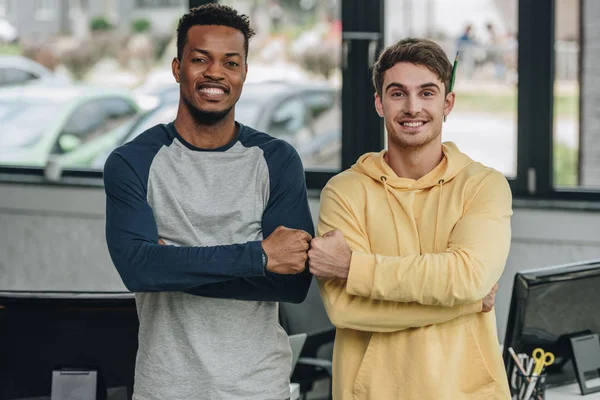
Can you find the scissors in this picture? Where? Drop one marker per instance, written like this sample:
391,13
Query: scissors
542,359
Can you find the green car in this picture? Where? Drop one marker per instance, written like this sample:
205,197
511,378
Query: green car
69,124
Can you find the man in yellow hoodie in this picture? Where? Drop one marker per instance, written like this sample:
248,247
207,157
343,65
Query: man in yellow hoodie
413,238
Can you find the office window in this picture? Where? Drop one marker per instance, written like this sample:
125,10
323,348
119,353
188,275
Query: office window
294,77
45,9
484,32
576,99
161,3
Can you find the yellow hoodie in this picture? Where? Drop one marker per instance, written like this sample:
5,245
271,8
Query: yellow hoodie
424,255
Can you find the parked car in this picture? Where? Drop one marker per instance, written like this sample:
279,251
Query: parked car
18,70
308,116
71,124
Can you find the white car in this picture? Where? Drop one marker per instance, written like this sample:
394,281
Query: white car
19,70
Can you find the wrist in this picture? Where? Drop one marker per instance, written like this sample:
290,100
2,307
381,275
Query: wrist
265,258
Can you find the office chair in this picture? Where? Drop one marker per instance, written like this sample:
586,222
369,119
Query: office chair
310,317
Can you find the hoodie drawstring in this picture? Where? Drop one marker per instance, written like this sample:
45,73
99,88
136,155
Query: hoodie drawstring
387,196
437,216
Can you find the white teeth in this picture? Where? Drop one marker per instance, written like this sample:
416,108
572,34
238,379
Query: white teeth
413,124
212,90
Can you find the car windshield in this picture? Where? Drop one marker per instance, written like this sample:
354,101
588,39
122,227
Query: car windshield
23,123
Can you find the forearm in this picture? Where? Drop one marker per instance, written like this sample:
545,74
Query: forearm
148,267
443,279
271,287
360,313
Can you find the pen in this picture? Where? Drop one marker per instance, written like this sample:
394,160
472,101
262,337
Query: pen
514,356
530,364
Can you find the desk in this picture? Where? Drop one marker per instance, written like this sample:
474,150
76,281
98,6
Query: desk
569,392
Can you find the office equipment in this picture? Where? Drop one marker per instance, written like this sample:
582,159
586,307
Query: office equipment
76,384
296,343
586,354
549,306
518,363
41,332
542,359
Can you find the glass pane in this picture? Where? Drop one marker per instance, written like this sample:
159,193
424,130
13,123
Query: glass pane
126,54
483,123
294,76
575,105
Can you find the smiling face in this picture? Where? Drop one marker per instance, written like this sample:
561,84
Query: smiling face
413,103
211,71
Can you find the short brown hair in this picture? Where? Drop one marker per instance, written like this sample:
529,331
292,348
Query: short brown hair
416,51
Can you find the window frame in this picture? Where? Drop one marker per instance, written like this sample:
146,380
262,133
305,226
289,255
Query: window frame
536,71
363,31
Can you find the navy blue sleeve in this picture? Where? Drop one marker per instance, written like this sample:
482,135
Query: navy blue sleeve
287,206
146,266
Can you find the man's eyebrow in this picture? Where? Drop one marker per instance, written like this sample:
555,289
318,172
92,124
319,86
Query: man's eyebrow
403,87
208,53
197,50
430,84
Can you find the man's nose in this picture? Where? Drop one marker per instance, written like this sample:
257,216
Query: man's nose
412,105
214,71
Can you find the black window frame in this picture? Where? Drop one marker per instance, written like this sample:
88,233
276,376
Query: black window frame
536,71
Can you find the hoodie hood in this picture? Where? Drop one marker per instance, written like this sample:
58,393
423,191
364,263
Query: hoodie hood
374,166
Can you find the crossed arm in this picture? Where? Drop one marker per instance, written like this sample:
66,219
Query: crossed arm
228,271
390,293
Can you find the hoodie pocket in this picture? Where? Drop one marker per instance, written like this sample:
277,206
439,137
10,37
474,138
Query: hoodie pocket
479,383
365,368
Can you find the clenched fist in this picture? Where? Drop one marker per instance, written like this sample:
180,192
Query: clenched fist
286,250
330,256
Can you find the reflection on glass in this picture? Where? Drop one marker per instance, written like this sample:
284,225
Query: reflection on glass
291,92
484,121
69,124
293,84
22,126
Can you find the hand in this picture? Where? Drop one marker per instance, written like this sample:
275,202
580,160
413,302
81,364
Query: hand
329,256
488,301
286,250
161,242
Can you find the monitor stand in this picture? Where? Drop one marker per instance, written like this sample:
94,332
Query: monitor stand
586,358
77,384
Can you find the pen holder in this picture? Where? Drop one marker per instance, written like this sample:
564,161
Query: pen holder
522,385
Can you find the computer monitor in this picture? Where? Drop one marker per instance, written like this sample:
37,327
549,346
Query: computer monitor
44,331
547,306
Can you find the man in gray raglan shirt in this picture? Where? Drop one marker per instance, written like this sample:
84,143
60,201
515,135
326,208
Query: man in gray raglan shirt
208,223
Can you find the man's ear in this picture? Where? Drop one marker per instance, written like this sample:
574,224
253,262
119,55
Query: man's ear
449,103
378,105
176,68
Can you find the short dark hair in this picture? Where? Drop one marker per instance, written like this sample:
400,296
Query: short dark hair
416,51
212,14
